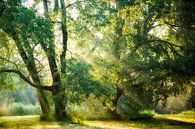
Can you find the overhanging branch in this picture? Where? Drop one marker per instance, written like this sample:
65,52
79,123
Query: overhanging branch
39,86
169,44
166,42
9,61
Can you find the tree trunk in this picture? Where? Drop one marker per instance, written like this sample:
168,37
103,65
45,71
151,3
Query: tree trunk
45,108
59,99
192,98
119,92
29,61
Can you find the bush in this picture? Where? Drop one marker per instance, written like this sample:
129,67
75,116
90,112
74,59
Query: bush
92,108
146,114
21,109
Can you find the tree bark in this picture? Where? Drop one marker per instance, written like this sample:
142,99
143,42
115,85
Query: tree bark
192,98
59,77
59,99
45,108
119,93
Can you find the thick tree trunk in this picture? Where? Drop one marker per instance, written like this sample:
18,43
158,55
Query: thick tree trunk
119,92
60,99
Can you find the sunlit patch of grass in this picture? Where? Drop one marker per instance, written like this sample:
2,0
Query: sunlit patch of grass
187,116
188,113
139,124
146,113
15,121
110,124
189,120
33,122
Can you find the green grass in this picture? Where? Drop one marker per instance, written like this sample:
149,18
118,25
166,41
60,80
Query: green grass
184,120
33,122
22,109
187,117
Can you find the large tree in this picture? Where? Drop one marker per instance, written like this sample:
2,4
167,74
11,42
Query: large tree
163,50
150,46
29,30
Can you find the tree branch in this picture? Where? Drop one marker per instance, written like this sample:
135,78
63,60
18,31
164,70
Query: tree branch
9,61
40,64
39,86
69,5
163,41
170,45
156,26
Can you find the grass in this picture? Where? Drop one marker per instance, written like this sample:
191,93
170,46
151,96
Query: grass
33,122
184,120
21,109
18,109
187,117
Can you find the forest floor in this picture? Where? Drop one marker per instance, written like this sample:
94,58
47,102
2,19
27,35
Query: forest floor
158,122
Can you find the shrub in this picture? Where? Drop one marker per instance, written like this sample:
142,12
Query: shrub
146,114
91,108
21,109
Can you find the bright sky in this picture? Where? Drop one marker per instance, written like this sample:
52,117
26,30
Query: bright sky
40,9
159,31
27,3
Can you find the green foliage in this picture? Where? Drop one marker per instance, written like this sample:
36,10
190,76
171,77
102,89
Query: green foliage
30,27
18,90
157,66
146,114
91,108
19,100
34,29
126,2
188,113
81,83
6,82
